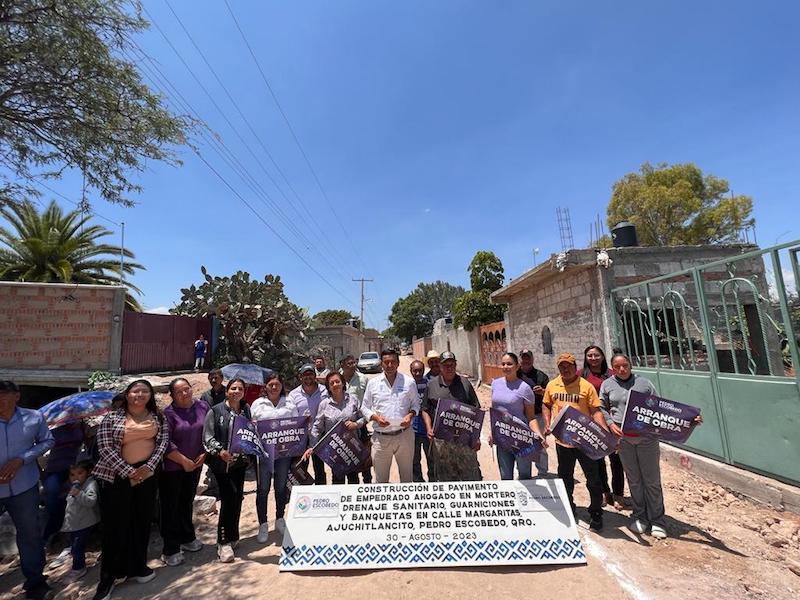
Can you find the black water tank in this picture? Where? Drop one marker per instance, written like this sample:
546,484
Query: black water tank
624,235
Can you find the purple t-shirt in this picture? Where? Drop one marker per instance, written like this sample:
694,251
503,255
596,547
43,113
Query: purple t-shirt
185,432
512,396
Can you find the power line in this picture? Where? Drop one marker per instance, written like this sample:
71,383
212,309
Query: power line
236,193
252,131
80,205
308,243
362,280
291,129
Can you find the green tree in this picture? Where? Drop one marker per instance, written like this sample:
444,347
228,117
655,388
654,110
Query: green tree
486,271
415,314
474,308
72,97
677,205
53,247
333,316
258,322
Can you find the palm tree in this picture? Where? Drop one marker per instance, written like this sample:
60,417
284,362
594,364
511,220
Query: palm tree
53,247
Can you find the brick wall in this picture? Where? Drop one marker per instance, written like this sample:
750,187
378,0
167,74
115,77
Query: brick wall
464,344
55,326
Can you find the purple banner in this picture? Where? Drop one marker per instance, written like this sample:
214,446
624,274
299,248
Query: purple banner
244,439
342,450
573,428
649,415
458,423
284,437
513,435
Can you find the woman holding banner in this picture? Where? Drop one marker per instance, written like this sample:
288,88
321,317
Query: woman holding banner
272,406
596,371
640,455
335,407
516,397
229,469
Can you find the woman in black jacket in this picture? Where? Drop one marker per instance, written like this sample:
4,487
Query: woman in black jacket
229,469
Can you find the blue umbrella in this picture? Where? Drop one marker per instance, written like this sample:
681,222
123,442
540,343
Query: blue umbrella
250,374
77,407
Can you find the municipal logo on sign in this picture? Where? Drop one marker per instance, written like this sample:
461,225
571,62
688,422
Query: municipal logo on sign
303,504
323,504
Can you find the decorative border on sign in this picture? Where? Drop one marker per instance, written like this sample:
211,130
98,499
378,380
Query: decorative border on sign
337,555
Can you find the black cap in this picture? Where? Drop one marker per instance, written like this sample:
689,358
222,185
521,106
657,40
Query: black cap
8,386
526,352
446,356
306,367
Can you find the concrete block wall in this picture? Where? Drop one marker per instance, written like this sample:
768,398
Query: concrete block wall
60,326
464,344
570,306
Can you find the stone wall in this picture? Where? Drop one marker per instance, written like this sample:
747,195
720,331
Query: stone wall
60,327
464,344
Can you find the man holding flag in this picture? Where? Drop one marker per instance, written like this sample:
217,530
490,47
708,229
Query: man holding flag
569,389
452,462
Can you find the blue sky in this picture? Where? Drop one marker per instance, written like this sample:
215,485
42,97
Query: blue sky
441,128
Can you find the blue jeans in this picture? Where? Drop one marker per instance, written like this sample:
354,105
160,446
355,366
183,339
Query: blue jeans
55,501
24,511
266,473
77,547
507,460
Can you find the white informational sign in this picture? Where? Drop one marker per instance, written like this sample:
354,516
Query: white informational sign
405,525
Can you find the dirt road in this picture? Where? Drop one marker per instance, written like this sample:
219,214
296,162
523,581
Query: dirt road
720,546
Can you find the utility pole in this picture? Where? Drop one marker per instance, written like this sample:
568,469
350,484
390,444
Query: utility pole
362,280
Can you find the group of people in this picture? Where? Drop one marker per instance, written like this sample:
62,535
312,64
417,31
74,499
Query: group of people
143,453
530,395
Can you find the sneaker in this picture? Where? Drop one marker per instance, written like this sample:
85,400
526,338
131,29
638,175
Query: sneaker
658,532
74,575
608,499
596,524
194,546
280,525
40,592
120,580
225,553
619,502
60,559
637,527
148,575
263,533
104,588
172,560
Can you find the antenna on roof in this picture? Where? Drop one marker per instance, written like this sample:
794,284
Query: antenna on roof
565,228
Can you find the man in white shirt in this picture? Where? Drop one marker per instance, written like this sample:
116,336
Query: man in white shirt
390,403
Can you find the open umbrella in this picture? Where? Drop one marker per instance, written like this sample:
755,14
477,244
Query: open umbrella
78,406
250,374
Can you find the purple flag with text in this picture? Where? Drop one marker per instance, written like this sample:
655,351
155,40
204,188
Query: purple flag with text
342,449
286,436
649,415
573,428
244,439
513,435
458,423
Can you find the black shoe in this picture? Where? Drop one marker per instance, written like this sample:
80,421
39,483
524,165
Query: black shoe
104,588
596,524
40,592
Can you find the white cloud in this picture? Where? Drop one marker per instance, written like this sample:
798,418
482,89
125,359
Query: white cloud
426,210
158,310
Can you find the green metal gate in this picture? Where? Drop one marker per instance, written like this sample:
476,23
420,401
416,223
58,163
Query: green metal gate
724,337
